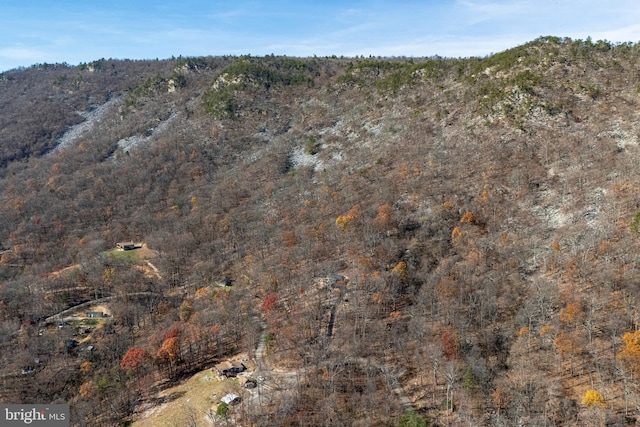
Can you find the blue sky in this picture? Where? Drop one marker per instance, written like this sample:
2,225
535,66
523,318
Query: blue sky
74,31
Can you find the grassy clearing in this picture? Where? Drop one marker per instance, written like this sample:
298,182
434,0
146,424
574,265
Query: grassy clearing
192,398
129,256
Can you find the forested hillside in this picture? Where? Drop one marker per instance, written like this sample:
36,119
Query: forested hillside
401,241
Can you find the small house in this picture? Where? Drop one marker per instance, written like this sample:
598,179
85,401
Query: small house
230,370
222,366
225,282
126,246
94,314
230,399
28,370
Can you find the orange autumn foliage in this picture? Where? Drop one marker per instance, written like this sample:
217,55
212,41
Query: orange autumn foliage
133,358
400,269
630,354
343,221
456,234
383,219
468,217
170,349
88,389
593,398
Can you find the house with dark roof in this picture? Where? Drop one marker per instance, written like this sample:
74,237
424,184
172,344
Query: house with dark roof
229,369
95,314
128,246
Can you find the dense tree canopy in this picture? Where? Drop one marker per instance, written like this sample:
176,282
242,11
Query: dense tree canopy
405,242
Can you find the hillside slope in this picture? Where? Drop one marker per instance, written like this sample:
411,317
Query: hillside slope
447,239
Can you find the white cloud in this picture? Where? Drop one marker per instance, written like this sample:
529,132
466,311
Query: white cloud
20,53
630,33
479,11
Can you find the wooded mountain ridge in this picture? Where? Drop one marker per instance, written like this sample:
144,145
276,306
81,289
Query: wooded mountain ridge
424,241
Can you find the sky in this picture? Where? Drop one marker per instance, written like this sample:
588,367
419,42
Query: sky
80,31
